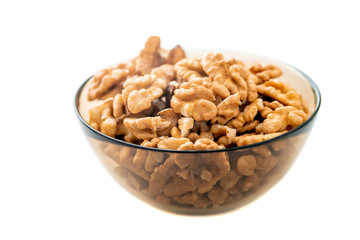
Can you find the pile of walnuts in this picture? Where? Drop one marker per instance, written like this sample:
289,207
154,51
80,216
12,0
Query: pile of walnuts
162,99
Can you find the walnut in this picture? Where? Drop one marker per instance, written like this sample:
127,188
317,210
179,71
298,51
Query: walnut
101,118
217,195
141,91
177,186
216,68
149,57
161,175
269,107
246,81
252,138
145,128
185,125
229,181
200,126
175,55
247,115
148,159
227,109
218,71
262,151
119,106
171,143
247,127
249,183
225,134
137,182
246,165
194,100
281,92
175,132
171,116
105,79
193,198
189,68
283,117
265,73
125,159
218,164
205,171
265,164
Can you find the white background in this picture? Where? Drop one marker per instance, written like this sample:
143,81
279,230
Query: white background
53,187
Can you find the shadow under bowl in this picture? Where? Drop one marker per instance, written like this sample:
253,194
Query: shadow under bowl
171,188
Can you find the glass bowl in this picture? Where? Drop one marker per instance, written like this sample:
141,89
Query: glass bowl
165,190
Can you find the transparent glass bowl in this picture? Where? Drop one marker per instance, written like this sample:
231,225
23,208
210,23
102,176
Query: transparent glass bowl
274,158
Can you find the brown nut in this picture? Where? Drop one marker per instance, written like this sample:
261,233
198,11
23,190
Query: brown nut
282,92
283,117
194,100
149,56
189,68
246,165
265,73
145,128
101,118
105,79
142,91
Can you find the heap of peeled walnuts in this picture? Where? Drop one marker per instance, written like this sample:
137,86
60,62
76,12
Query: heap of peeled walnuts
164,99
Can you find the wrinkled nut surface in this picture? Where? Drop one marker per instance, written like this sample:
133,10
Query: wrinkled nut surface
163,100
103,80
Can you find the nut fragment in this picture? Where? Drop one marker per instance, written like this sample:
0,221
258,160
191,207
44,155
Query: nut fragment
246,165
281,92
101,118
145,128
225,134
171,116
185,125
175,55
149,57
264,73
103,80
216,68
247,115
189,68
252,138
283,117
228,108
194,100
172,143
141,91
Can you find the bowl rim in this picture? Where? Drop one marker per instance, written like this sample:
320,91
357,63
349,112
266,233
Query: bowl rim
293,131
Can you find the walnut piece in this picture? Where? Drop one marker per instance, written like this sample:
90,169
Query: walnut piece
185,125
145,128
189,68
283,117
101,118
246,165
149,57
104,79
265,73
175,55
281,92
224,134
194,100
141,91
216,68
